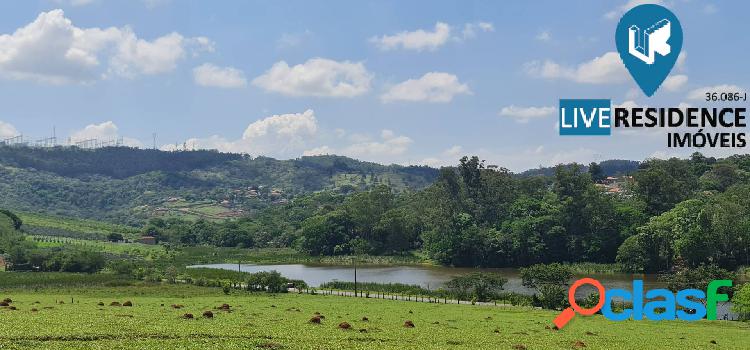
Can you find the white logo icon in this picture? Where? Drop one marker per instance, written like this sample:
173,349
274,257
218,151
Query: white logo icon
643,44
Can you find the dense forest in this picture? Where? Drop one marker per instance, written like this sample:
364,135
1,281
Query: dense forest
675,212
652,216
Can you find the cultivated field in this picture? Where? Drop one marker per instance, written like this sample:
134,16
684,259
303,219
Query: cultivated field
74,319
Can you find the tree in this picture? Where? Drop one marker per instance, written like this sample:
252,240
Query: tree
741,302
596,172
114,237
683,277
550,281
482,285
661,184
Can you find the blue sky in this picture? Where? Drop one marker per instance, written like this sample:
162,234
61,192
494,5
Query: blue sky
417,82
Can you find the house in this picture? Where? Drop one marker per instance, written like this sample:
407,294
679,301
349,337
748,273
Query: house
150,240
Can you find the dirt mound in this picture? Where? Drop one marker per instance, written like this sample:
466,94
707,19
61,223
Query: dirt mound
127,303
115,303
8,300
345,325
365,319
100,303
224,307
579,344
315,319
177,306
34,310
208,314
12,308
519,347
187,316
408,324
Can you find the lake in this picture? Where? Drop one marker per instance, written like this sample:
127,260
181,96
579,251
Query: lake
431,277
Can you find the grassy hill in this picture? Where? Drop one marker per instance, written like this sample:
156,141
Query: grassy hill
128,185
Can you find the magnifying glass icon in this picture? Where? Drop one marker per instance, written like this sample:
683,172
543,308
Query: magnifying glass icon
566,315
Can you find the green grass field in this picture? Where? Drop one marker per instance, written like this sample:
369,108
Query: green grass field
62,226
264,321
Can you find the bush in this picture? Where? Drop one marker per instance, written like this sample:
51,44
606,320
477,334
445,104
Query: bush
550,281
741,302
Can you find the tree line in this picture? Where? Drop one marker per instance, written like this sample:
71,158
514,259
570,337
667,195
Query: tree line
678,211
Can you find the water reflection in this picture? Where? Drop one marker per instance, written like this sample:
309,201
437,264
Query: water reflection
431,277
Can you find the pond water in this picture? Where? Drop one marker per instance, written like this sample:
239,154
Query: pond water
431,277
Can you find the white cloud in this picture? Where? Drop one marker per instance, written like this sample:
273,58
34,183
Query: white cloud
675,82
700,93
318,151
52,50
470,29
103,132
138,56
525,114
281,136
604,69
431,87
421,40
7,130
544,36
417,40
385,149
448,157
317,77
288,40
620,10
214,76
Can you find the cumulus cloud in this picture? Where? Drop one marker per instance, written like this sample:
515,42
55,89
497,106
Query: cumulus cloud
103,132
317,77
421,40
700,93
525,114
417,40
7,130
281,136
604,69
432,87
223,77
53,50
620,10
675,82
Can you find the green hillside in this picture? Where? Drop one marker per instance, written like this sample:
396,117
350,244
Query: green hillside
128,185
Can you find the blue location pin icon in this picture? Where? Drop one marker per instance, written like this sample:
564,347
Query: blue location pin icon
649,39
